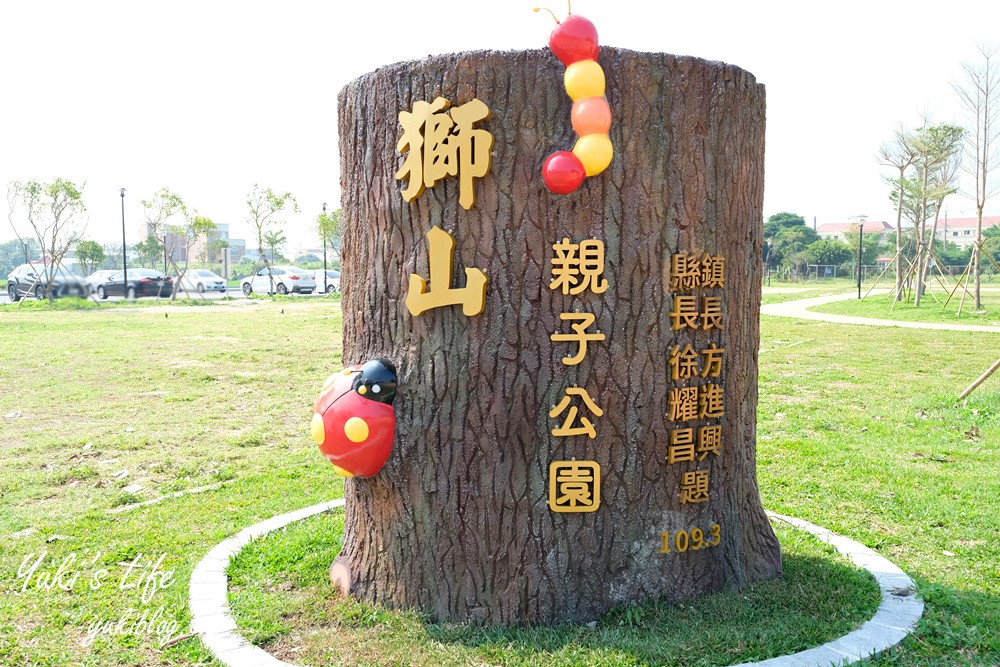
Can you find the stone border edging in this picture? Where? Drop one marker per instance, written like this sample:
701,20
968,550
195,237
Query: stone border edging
896,617
208,593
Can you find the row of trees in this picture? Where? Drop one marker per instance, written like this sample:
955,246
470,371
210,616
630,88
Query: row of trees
46,220
926,163
792,246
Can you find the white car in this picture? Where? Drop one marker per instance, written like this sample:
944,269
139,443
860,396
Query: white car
202,280
332,280
99,279
280,279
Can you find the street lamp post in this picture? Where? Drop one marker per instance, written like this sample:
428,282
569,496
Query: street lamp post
861,238
323,239
124,248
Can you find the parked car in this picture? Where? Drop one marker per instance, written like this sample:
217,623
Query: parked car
332,280
33,280
141,282
98,278
202,280
280,279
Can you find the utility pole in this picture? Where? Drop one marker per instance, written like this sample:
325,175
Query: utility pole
861,240
323,239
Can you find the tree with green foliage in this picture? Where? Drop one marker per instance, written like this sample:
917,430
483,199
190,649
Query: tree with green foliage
275,240
328,226
991,245
871,248
90,254
788,240
48,211
150,251
309,258
937,149
778,222
15,252
829,252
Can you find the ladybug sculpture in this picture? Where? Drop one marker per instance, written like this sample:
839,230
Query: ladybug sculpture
354,422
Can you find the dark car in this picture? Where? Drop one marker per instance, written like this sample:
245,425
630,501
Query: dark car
33,280
141,282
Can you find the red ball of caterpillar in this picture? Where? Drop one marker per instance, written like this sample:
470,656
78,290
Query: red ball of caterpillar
563,172
574,39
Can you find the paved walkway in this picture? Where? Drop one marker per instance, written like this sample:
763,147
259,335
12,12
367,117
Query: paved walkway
800,309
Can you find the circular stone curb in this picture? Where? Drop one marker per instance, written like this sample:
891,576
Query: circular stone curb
895,619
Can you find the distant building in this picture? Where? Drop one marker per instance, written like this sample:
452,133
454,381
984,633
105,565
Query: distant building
839,230
962,231
207,249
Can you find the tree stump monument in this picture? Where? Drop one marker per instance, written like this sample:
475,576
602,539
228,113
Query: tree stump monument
586,437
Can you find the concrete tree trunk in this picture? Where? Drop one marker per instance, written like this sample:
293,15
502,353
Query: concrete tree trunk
457,523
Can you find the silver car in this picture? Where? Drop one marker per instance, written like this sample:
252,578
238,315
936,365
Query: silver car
202,280
280,279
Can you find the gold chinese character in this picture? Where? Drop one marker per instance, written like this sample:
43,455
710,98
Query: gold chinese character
683,362
574,486
681,445
713,361
694,487
685,313
713,269
439,145
683,402
580,337
710,403
578,266
711,314
685,271
709,441
586,427
441,253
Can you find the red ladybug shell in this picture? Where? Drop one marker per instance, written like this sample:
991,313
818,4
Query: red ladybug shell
339,403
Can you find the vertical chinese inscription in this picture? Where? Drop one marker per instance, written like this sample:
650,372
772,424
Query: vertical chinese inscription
576,268
695,404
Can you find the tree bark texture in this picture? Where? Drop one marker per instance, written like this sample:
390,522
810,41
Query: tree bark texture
457,523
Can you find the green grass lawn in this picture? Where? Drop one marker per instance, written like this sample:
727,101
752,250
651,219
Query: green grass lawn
859,431
932,308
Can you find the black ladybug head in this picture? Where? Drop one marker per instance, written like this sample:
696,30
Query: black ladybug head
377,381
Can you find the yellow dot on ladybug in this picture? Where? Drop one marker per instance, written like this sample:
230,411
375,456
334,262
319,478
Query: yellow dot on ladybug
584,79
317,428
595,152
362,390
329,382
343,473
356,429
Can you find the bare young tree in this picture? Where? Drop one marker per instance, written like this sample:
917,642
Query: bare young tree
49,212
980,95
900,155
198,227
163,206
264,206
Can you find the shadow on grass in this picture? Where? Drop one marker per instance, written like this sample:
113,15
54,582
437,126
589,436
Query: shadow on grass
283,601
817,600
